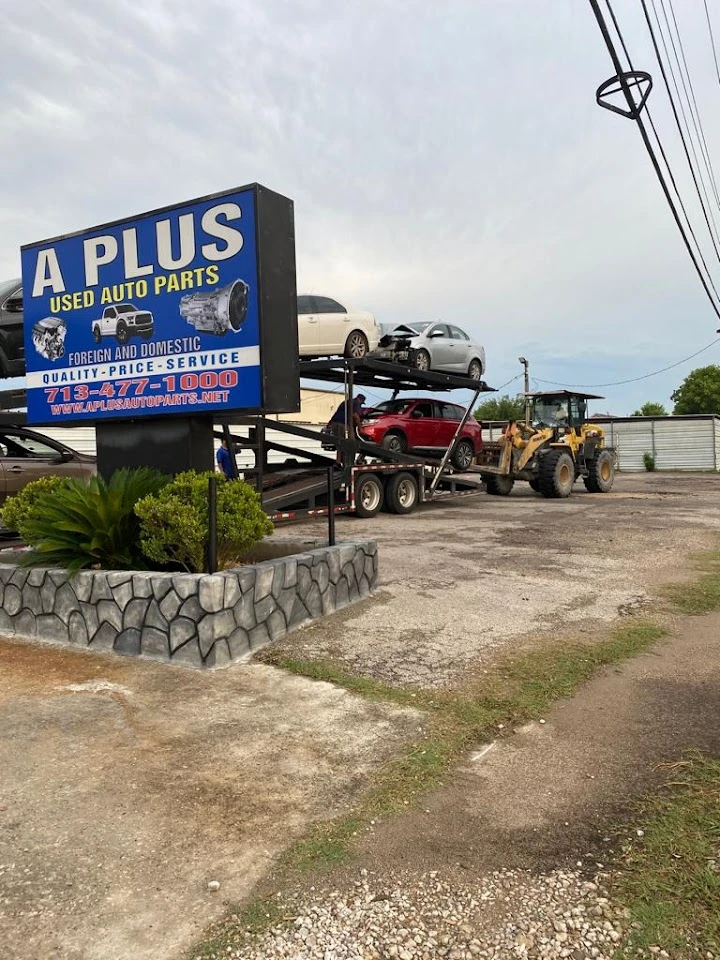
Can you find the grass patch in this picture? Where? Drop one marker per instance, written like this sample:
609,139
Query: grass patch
702,595
517,689
251,920
670,880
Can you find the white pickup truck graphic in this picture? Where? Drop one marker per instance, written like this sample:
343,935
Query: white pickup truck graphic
123,321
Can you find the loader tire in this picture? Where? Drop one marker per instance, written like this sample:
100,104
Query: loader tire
499,486
601,473
557,474
535,484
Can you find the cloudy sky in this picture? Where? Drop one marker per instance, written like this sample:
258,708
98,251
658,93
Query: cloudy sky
445,159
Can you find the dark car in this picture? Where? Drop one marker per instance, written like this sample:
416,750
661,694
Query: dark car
12,343
423,426
26,455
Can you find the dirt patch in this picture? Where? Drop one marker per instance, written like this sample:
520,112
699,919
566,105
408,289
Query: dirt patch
128,786
550,796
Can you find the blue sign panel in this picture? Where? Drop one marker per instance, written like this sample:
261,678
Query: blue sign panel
153,315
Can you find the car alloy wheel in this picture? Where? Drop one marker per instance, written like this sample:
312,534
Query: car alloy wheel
356,346
422,360
463,455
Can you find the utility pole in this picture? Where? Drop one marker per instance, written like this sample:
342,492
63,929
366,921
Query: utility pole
526,364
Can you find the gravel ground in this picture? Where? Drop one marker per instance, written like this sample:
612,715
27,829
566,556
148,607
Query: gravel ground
460,579
505,914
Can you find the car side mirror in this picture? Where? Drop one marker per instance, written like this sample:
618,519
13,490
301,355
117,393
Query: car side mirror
64,456
14,305
417,414
436,333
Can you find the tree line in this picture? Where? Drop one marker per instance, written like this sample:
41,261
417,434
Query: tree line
698,393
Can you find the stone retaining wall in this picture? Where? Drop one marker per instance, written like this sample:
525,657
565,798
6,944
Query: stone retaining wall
196,619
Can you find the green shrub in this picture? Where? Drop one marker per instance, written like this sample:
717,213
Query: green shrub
19,509
174,522
90,523
649,461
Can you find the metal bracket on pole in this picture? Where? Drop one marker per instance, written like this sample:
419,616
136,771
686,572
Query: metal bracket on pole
625,83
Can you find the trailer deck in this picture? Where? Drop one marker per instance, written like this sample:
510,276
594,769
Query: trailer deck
357,475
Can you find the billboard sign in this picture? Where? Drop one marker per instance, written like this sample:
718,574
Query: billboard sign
165,313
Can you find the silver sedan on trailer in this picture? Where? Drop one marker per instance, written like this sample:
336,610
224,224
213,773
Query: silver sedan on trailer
435,345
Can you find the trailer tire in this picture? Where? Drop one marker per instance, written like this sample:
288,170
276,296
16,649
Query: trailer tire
394,441
401,495
368,495
499,486
601,473
557,474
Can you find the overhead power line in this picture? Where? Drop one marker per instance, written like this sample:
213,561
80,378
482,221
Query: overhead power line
706,282
646,376
663,154
712,40
700,187
690,97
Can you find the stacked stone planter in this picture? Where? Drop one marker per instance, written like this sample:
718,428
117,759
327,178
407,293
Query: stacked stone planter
195,619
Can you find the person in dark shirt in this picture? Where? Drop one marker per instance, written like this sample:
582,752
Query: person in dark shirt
340,415
336,426
223,460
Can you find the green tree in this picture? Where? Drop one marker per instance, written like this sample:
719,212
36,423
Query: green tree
651,409
501,408
699,392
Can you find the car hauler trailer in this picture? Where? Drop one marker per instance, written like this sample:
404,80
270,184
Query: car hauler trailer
365,477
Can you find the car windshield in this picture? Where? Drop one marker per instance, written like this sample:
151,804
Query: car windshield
7,287
388,406
552,411
126,307
418,327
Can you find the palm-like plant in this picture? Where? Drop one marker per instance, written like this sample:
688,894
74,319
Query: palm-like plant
91,523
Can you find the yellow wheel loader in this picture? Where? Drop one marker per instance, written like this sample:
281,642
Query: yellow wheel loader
554,448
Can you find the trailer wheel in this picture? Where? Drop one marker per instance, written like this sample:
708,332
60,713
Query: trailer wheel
601,473
402,493
557,474
498,486
368,495
462,455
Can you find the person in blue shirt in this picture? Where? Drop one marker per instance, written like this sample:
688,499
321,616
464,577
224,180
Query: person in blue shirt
223,460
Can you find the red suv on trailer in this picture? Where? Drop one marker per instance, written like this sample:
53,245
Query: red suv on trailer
422,425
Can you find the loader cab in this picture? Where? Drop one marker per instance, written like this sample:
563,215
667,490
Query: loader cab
561,410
